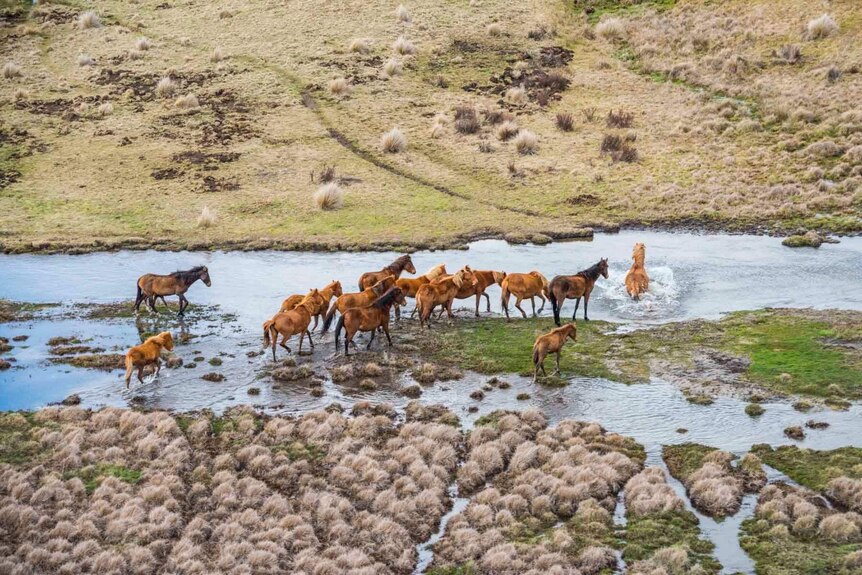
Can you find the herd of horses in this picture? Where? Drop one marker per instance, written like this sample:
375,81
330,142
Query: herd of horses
369,309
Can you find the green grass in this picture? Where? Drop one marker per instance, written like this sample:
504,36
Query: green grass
299,450
17,445
809,467
645,535
684,459
466,569
92,475
595,9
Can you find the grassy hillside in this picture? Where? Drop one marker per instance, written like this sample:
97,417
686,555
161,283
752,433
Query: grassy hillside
710,128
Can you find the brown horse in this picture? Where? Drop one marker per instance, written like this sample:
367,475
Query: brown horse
403,263
637,280
290,323
441,292
574,287
146,354
551,342
484,279
524,286
151,286
409,286
368,318
331,289
361,299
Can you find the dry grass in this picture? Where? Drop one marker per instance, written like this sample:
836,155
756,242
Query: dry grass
207,218
359,46
393,142
106,109
516,95
85,60
403,46
340,87
527,143
11,70
392,68
564,121
143,44
611,29
821,27
217,55
166,88
507,130
329,197
89,19
494,29
188,103
402,15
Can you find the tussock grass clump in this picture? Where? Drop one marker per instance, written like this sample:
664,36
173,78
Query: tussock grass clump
648,493
187,103
340,87
143,44
329,196
527,143
106,109
494,29
789,54
847,492
495,117
393,142
11,70
516,95
217,55
89,19
403,46
620,119
821,27
85,60
207,218
466,121
166,87
611,29
564,121
402,14
611,143
392,68
359,46
626,154
507,131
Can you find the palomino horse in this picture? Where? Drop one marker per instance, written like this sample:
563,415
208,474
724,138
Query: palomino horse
409,286
551,342
575,287
637,280
331,289
402,264
290,323
361,299
368,318
441,292
484,279
524,286
151,286
147,353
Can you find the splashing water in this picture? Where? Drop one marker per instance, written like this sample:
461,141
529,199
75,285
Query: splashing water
662,300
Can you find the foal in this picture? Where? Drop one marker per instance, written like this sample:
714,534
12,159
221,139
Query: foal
551,342
146,354
369,318
637,280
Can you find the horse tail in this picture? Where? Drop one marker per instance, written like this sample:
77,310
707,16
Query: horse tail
553,297
535,355
504,295
138,296
327,321
267,328
338,327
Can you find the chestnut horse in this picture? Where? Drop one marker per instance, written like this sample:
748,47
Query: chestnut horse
441,292
524,286
290,323
637,280
484,279
331,289
368,318
575,287
551,342
361,299
147,353
409,286
151,286
403,263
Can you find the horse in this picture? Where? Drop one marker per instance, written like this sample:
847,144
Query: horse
484,279
151,286
441,292
290,323
403,263
368,318
574,287
523,286
409,286
551,342
146,354
361,299
637,280
331,289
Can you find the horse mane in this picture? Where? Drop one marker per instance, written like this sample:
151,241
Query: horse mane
638,255
435,272
591,273
399,264
187,274
386,299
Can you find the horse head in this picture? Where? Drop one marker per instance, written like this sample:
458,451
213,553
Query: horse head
336,288
571,331
638,253
408,265
603,267
204,275
166,340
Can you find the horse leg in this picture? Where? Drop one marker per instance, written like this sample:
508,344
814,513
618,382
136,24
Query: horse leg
449,308
141,373
182,310
274,342
520,309
386,331
478,300
487,301
586,303
347,341
316,317
577,303
301,337
533,303
151,303
311,341
544,301
283,343
558,364
140,298
158,366
370,341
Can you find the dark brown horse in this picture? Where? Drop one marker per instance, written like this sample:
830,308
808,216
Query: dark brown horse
361,299
151,286
575,287
369,318
395,269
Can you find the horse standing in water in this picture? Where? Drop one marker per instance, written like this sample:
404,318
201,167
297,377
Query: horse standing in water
637,280
395,269
369,318
575,287
151,286
484,279
361,299
290,323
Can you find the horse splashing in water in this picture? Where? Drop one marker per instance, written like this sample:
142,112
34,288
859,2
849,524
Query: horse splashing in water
395,269
637,280
523,286
368,318
551,342
151,286
575,287
147,353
